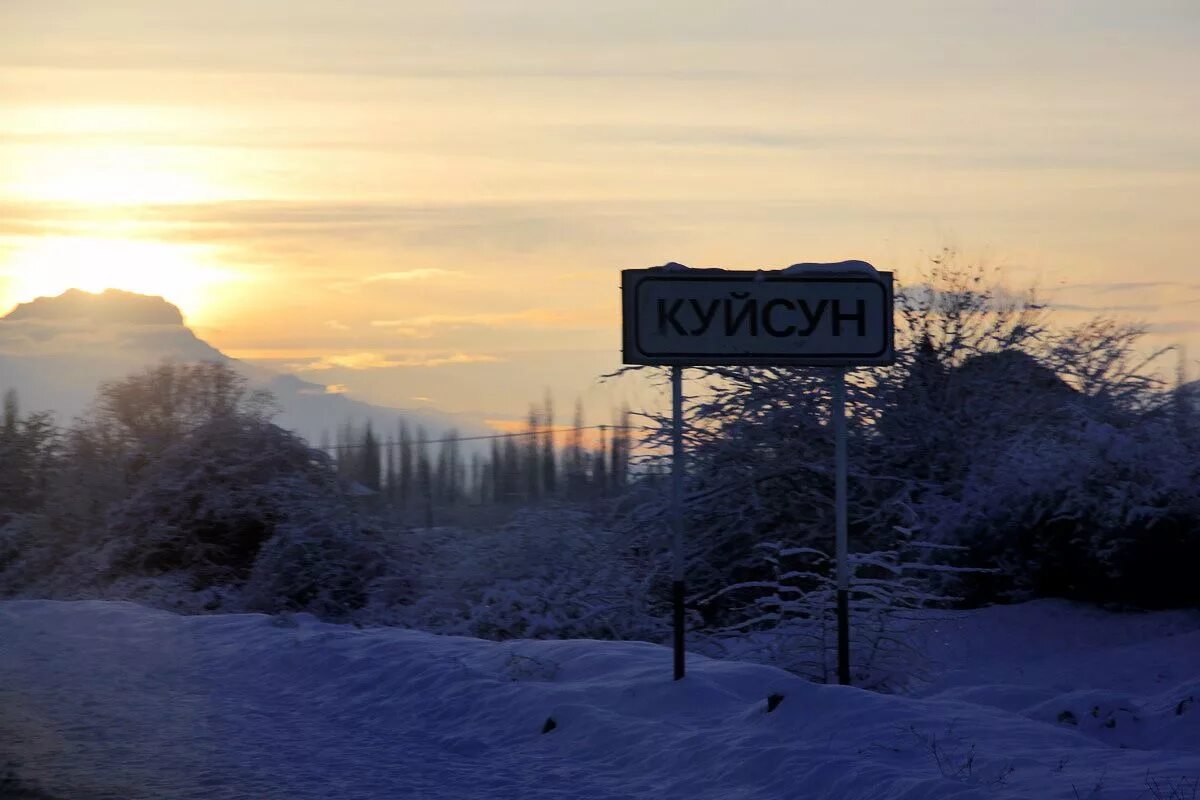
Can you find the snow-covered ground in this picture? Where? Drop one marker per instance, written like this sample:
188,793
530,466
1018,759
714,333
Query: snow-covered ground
1042,700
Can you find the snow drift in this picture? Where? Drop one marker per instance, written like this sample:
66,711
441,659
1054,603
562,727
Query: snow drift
114,700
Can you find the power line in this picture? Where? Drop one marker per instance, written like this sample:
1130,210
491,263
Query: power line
390,442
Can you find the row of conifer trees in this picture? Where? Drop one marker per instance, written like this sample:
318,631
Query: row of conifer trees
541,462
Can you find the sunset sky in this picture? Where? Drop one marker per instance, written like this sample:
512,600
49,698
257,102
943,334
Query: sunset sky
430,202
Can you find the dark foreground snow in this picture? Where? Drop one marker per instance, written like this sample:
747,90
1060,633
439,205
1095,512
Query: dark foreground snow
1045,700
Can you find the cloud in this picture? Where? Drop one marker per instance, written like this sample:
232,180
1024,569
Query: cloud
294,226
367,361
1128,308
410,275
1136,297
1178,327
1117,286
333,388
402,276
426,326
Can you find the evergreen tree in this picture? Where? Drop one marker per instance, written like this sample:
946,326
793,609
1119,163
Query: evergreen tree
575,468
424,477
390,487
12,413
511,476
29,456
531,456
449,470
406,468
600,466
495,473
369,460
619,470
475,485
346,467
549,465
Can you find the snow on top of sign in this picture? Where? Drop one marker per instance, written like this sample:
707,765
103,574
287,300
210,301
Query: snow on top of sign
839,267
674,266
836,266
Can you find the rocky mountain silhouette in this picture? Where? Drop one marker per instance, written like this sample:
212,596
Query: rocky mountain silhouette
55,351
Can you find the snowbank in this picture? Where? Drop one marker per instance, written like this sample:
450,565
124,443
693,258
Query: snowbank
113,700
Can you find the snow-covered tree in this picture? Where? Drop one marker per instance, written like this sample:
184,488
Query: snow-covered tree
981,372
30,453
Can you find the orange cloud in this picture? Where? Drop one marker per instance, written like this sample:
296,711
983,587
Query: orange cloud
401,276
363,361
424,326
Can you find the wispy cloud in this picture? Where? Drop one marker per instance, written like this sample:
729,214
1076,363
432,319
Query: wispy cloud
1116,286
1177,327
1125,308
400,276
367,361
410,275
1123,297
333,388
425,326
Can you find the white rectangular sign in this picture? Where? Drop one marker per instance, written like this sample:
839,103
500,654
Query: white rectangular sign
827,315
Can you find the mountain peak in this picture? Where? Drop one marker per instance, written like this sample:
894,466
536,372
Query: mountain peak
110,306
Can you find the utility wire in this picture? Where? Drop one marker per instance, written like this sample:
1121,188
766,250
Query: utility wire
389,442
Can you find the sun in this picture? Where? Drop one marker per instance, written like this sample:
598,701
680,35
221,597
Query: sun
184,274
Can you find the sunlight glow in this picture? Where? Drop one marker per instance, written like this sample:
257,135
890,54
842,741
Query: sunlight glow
106,175
183,274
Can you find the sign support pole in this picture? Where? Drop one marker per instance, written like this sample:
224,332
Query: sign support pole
677,515
838,413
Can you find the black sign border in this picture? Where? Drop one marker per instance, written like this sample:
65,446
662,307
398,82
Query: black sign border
632,352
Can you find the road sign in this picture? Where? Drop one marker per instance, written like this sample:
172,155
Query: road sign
815,315
806,315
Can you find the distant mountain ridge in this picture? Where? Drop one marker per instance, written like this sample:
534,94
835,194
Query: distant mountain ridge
111,306
55,351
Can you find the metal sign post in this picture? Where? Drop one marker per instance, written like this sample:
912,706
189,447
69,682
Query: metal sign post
838,413
808,315
677,593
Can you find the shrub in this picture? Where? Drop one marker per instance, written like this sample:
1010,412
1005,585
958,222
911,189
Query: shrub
1092,512
208,504
323,566
554,572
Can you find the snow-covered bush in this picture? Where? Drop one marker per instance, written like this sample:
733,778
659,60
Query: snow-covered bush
19,535
208,503
177,491
133,422
1092,512
247,508
325,566
553,572
789,619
